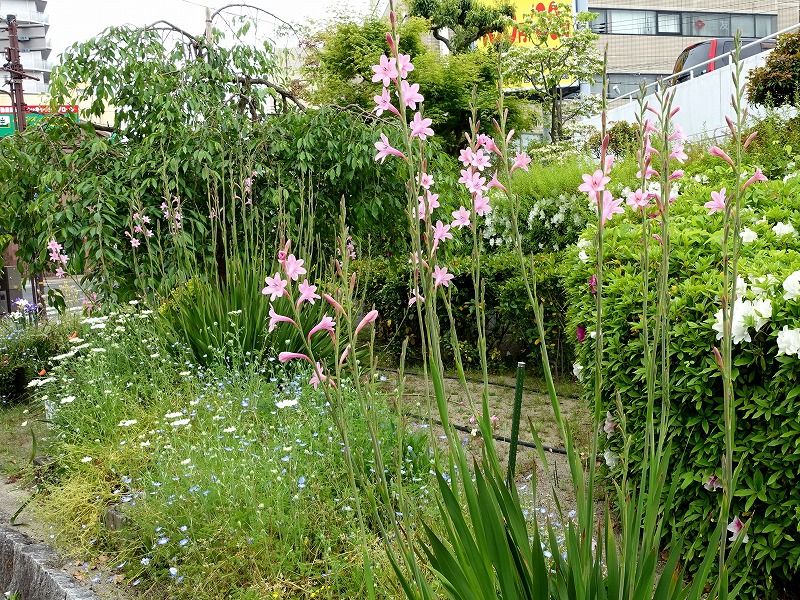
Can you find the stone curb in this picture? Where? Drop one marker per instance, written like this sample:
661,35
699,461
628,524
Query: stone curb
32,570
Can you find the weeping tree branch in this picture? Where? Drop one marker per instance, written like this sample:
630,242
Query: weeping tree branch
283,92
258,8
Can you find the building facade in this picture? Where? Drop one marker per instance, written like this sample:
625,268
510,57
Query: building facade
34,45
645,38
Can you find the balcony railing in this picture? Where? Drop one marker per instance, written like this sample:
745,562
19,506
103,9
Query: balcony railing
33,62
31,17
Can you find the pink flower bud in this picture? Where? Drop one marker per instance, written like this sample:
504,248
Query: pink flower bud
750,139
390,41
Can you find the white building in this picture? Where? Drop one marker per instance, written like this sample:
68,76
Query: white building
34,45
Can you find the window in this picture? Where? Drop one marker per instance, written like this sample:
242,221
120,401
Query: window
669,23
599,23
766,25
744,24
632,22
707,24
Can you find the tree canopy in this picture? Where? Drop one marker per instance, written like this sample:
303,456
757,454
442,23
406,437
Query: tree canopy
466,20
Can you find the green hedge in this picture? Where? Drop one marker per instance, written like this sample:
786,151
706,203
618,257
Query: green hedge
767,386
509,317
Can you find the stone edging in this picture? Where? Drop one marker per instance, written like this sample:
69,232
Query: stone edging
31,570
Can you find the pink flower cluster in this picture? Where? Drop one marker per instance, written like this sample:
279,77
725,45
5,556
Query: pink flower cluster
172,213
140,227
57,256
279,285
718,202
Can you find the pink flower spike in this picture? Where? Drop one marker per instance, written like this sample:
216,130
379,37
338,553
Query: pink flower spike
460,218
713,483
285,357
275,318
421,128
472,180
276,287
735,527
480,204
325,324
293,267
308,293
384,103
441,276
337,307
427,204
410,95
385,71
611,207
521,161
717,202
404,66
638,199
757,176
495,183
425,181
369,318
385,149
719,152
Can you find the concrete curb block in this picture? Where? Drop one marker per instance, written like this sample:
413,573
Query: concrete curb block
32,571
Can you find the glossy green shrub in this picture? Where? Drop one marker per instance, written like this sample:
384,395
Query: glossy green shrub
767,386
511,328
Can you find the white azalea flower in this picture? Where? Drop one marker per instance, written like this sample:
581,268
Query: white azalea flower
789,341
791,286
577,370
782,229
748,235
747,315
610,458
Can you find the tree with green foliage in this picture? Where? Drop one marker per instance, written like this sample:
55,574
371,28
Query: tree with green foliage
563,52
466,20
340,67
777,83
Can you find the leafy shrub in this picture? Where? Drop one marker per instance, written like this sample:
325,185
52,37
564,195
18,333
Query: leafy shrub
26,348
767,385
622,140
512,330
777,83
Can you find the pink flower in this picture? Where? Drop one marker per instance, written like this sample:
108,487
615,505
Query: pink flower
60,274
137,229
465,156
713,483
609,426
319,377
410,95
736,527
441,232
479,160
593,284
370,317
757,176
611,207
461,218
521,161
329,299
717,202
608,164
676,175
404,66
275,318
495,183
135,242
283,252
638,199
385,71
417,297
64,259
481,205
441,276
580,333
293,267
276,287
596,182
648,173
385,149
54,246
488,143
325,324
678,153
425,181
285,357
427,204
308,293
345,354
472,180
649,127
420,127
677,135
717,151
383,103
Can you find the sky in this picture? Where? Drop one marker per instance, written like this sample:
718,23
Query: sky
78,20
